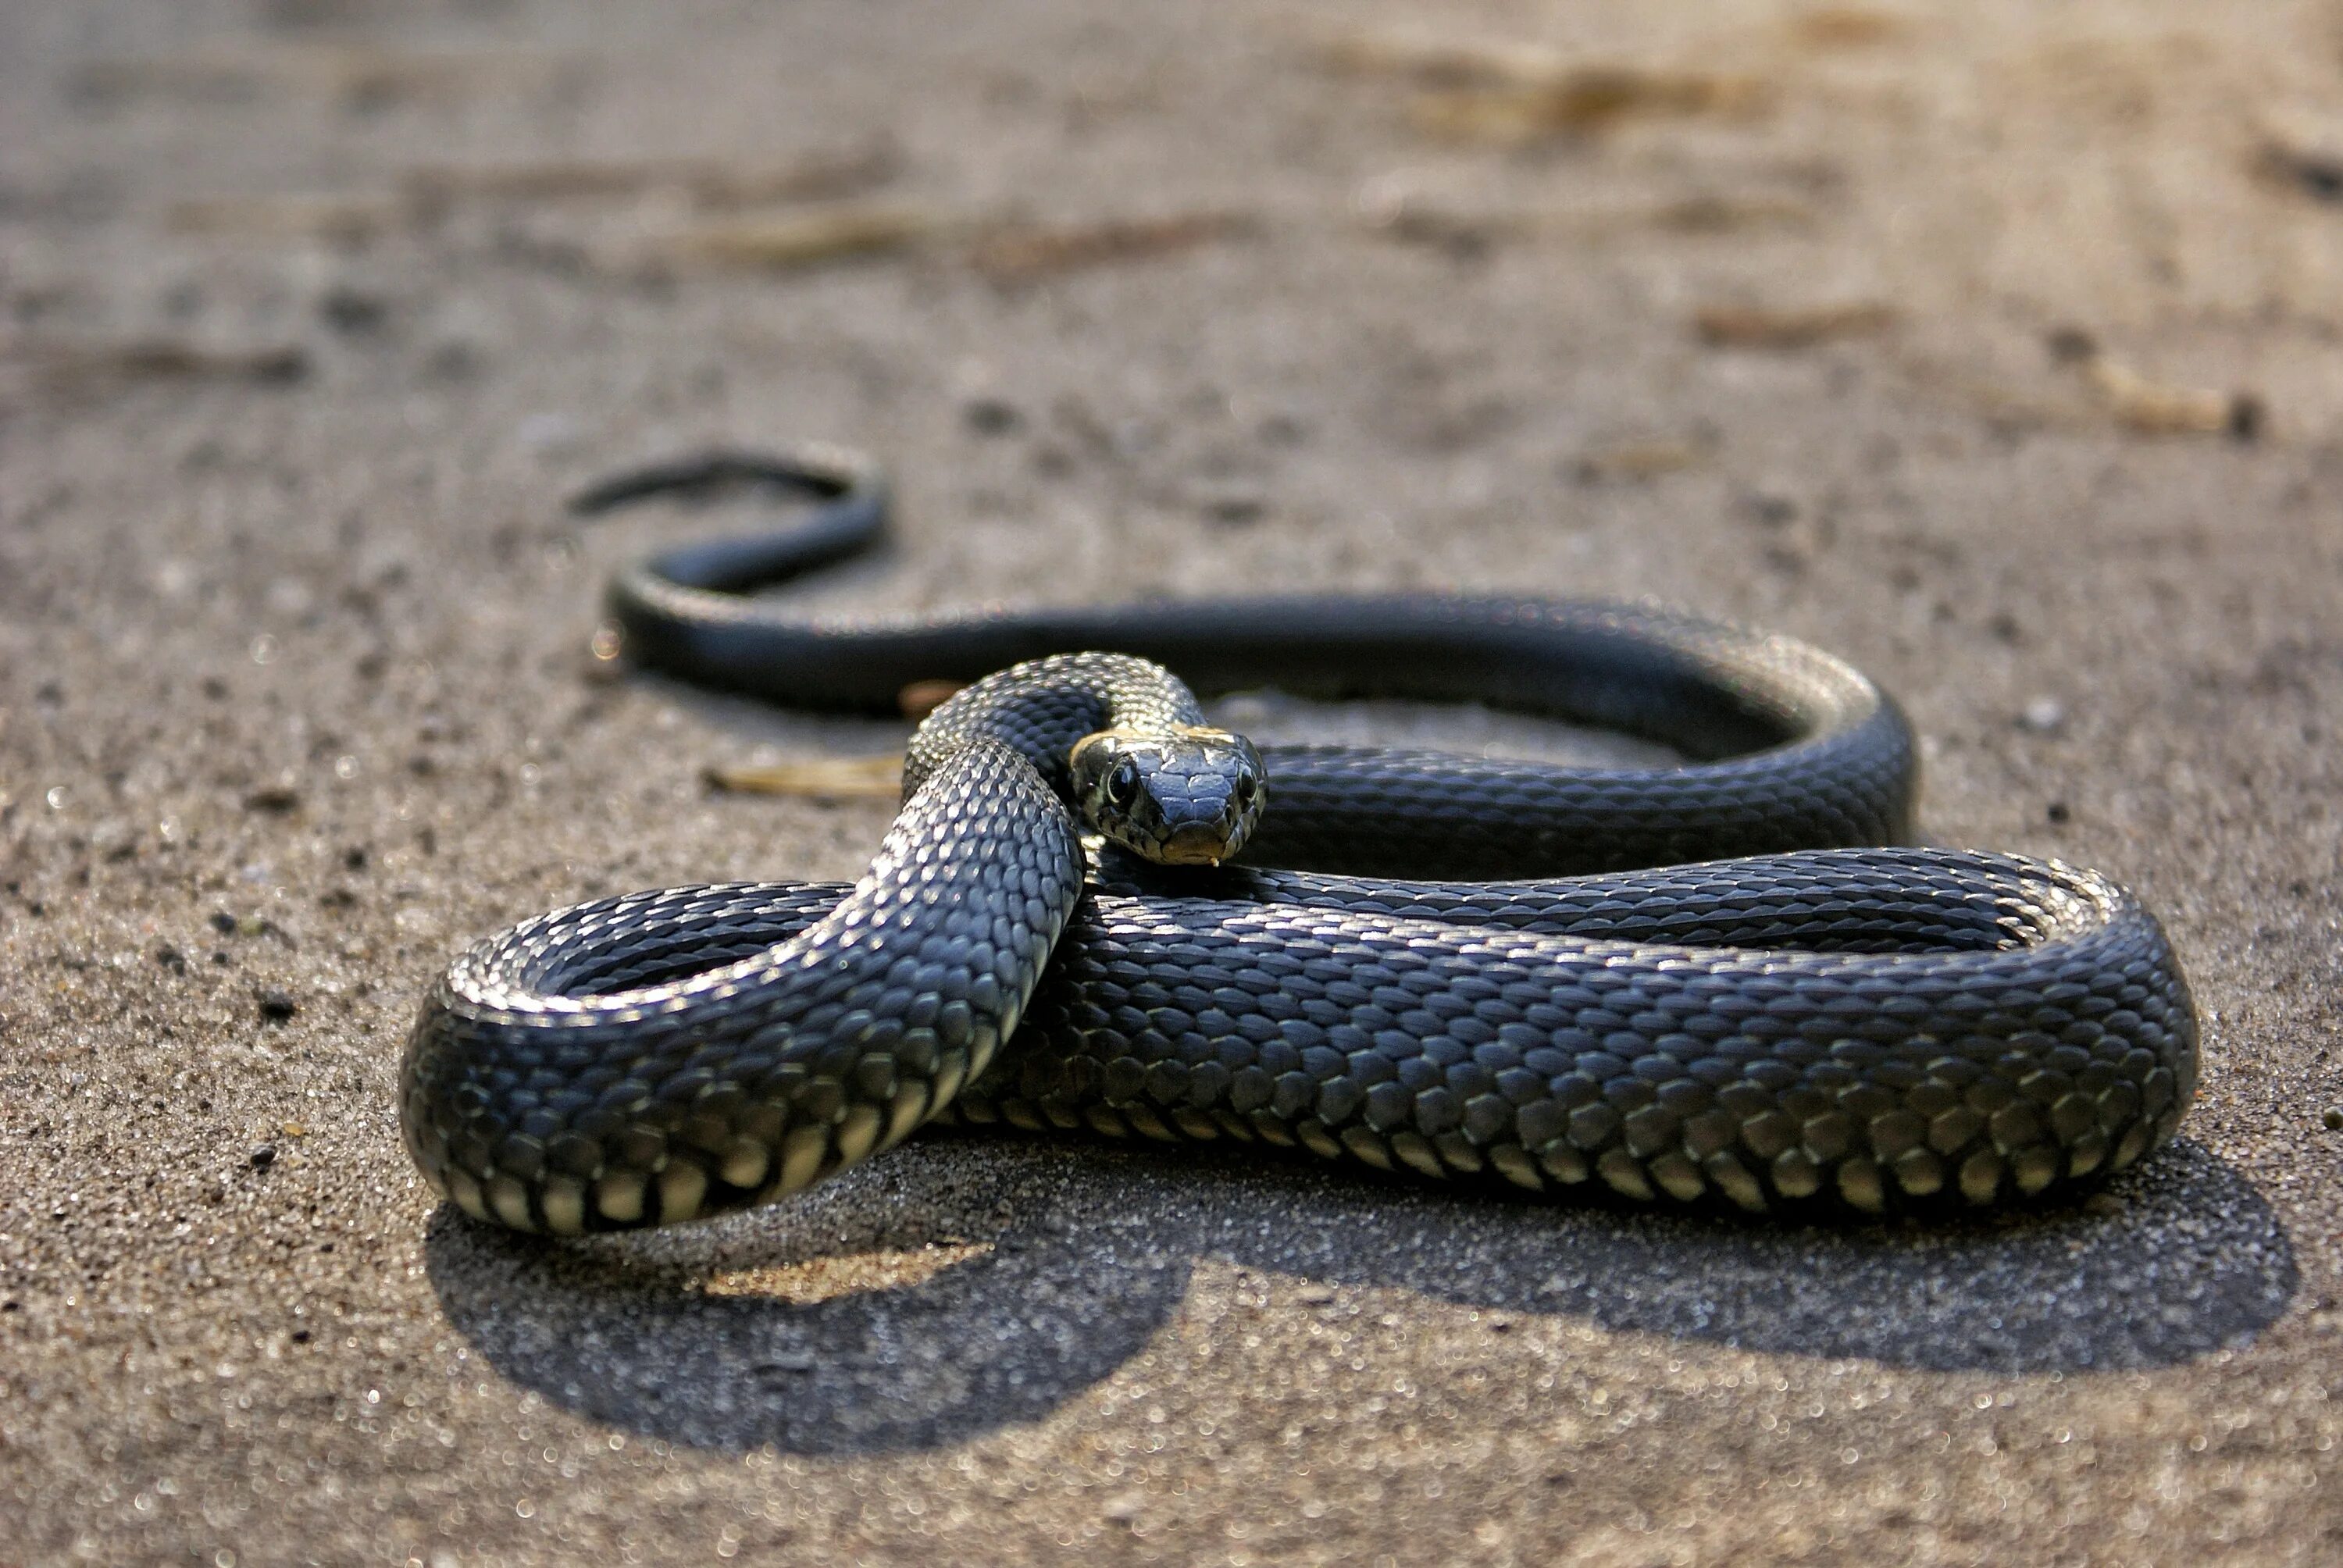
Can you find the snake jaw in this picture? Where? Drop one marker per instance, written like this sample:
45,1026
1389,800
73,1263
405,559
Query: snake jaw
1198,844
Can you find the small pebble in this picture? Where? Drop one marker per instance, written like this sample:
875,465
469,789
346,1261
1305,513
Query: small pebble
2334,1119
550,432
991,416
353,310
264,1157
1233,503
276,1006
2071,345
1284,429
1770,508
454,360
277,800
2042,716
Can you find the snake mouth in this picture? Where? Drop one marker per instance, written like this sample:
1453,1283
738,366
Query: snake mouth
1197,844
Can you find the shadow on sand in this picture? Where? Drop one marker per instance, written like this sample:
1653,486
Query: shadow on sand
954,1287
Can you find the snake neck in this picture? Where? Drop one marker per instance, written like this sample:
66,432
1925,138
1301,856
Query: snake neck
1043,708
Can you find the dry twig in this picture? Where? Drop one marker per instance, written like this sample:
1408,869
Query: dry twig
336,220
1410,218
836,232
1759,326
814,777
2154,408
357,75
2307,168
922,698
1584,101
164,358
710,184
1022,255
1637,461
1511,93
1444,62
424,196
1848,27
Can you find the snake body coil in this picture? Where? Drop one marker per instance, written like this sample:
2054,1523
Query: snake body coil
1798,1019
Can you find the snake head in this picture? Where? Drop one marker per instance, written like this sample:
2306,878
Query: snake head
1189,795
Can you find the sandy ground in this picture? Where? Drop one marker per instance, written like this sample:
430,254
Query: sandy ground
1993,346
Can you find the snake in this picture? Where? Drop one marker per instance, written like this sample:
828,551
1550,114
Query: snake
1731,983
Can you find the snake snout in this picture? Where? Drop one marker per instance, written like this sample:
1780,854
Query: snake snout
1197,844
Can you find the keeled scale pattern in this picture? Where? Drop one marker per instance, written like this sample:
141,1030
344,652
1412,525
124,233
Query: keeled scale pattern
1357,809
565,1077
1867,1029
1861,1029
1855,1030
623,1065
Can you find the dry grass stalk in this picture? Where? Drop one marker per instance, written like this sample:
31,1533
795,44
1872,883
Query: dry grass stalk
1513,92
1413,219
425,195
334,220
1711,214
814,779
1760,327
1022,255
1584,101
1848,27
358,75
839,231
165,358
1638,460
710,184
2156,407
1445,62
922,698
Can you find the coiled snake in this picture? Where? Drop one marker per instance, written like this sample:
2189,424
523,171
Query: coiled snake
1786,1017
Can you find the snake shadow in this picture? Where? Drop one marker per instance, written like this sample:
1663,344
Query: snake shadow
960,1285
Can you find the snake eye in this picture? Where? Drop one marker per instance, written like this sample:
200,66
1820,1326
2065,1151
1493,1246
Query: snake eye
1123,783
1246,787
